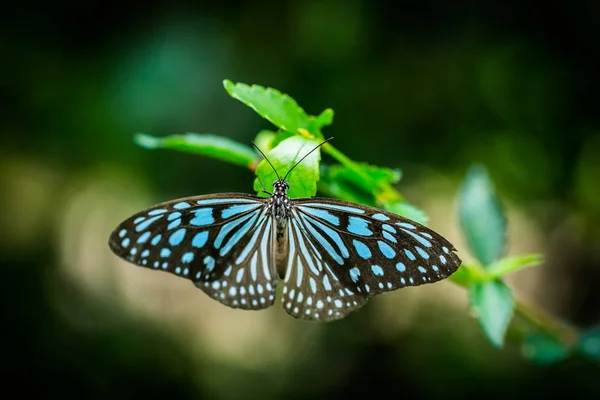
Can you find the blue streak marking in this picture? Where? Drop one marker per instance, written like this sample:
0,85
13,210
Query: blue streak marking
337,258
125,242
200,239
144,237
443,259
181,206
237,209
435,268
422,252
226,200
418,238
187,257
186,271
388,228
164,253
362,249
400,267
174,224
332,234
423,270
177,237
158,211
235,238
203,217
313,285
380,217
138,220
326,283
303,248
336,207
225,229
386,249
406,225
210,263
322,214
389,237
156,239
359,226
146,223
251,242
354,274
145,253
410,255
173,215
178,270
377,270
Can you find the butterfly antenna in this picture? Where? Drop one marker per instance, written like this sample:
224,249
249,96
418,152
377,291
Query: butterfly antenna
306,155
263,154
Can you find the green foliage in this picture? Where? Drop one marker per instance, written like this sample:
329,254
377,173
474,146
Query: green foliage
493,304
407,210
303,179
280,109
589,344
218,147
512,264
543,349
482,218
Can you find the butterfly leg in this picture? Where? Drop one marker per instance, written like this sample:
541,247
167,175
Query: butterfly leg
263,186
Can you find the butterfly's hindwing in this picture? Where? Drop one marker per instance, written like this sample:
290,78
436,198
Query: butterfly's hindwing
223,243
311,290
350,251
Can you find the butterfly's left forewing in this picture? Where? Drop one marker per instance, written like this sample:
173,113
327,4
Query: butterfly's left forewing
348,252
223,243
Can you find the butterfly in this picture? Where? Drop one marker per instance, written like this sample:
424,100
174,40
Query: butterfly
331,255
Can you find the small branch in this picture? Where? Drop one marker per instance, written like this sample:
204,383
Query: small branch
562,332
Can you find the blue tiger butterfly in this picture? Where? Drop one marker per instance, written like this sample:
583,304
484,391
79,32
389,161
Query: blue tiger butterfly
331,255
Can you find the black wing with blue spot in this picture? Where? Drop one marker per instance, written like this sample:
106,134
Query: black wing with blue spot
342,253
223,243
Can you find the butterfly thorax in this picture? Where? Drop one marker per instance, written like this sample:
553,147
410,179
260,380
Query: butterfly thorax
280,202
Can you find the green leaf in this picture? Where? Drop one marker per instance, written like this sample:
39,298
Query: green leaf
407,211
208,145
265,140
316,123
481,216
278,108
466,275
512,264
543,349
376,176
331,186
493,304
303,179
589,343
347,184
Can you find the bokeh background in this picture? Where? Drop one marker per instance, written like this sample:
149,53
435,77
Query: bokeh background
429,87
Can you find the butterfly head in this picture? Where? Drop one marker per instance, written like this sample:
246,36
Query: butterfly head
280,187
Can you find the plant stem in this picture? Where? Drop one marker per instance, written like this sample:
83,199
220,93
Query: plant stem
548,324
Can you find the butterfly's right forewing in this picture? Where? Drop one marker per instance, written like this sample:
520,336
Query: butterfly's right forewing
223,243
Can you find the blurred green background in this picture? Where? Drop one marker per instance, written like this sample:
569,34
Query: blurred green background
429,87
